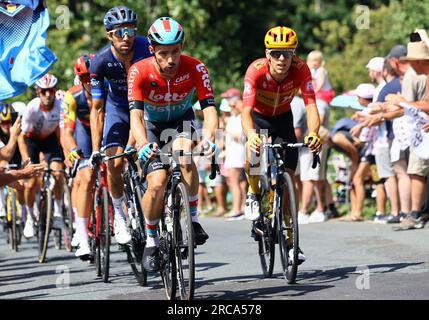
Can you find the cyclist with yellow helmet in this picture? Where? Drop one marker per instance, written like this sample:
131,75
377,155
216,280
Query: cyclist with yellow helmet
270,84
8,134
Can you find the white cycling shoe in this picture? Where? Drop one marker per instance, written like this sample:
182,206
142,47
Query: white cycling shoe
122,234
83,250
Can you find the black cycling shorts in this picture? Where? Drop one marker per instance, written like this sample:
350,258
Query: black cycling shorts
280,129
163,133
50,147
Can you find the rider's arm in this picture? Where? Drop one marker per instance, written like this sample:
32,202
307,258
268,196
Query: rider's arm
98,100
307,92
26,126
7,152
206,98
249,99
136,103
68,122
138,129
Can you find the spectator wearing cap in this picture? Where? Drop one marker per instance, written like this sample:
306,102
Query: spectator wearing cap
235,153
418,168
375,71
321,84
383,144
408,166
365,93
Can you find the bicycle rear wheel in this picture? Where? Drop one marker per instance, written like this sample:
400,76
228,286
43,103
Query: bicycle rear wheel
104,236
264,231
183,241
44,225
287,228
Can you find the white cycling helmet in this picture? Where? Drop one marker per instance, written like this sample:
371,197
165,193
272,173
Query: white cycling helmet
48,81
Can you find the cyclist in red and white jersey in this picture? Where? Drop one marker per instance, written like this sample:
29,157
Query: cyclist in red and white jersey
40,134
269,86
160,91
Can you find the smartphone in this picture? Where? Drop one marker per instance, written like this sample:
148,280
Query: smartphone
15,116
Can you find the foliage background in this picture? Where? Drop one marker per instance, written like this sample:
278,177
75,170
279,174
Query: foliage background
228,35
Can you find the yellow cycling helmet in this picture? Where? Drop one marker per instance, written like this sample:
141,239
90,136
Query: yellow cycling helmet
5,113
281,38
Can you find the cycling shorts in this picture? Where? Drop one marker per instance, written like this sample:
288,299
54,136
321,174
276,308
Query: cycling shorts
50,147
116,126
163,133
280,129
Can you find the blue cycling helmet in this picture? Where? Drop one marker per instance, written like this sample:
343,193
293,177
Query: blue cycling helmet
118,16
165,31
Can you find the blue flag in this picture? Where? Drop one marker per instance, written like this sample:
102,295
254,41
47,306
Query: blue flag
24,57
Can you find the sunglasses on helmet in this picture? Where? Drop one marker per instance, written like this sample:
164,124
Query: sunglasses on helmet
287,54
121,32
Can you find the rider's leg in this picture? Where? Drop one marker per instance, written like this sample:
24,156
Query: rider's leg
84,200
153,204
116,188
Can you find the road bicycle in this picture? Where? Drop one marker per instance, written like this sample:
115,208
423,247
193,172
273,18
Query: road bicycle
278,220
100,223
45,219
177,244
13,225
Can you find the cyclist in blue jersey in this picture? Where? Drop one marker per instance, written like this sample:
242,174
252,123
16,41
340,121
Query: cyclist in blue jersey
110,117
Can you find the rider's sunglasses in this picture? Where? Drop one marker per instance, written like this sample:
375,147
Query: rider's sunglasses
45,91
287,54
120,33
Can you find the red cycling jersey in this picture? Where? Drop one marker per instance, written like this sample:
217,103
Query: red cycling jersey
269,98
168,100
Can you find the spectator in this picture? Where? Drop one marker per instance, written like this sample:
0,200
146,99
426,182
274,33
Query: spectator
383,144
311,179
322,86
235,152
365,93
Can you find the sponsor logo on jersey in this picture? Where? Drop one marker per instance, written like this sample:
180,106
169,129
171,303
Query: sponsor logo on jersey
272,98
259,64
182,78
309,85
205,77
170,108
168,97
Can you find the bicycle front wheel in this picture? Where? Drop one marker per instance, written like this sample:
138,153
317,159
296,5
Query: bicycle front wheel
68,209
264,232
287,228
44,225
183,241
105,236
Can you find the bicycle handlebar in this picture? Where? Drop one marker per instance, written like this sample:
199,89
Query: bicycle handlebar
283,145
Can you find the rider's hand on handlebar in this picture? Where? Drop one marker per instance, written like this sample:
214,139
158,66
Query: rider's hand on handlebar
75,154
95,158
147,151
312,140
209,148
255,143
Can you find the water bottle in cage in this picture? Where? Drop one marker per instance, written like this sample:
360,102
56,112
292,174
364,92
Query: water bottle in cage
169,213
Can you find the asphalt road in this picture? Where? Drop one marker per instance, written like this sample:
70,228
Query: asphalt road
344,261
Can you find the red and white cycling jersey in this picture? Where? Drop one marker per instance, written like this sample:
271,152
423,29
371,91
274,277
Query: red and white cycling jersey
168,100
269,98
39,124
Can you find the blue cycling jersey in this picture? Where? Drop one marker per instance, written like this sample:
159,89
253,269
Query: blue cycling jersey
106,66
